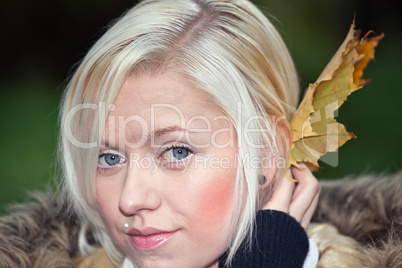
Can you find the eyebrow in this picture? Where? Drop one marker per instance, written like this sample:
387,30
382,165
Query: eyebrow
157,133
163,131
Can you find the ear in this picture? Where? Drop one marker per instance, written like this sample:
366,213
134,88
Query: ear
282,130
267,172
282,126
266,185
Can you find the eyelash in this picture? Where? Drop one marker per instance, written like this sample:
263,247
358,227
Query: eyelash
178,161
164,162
111,167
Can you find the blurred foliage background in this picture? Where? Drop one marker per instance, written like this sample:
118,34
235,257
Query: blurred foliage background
42,40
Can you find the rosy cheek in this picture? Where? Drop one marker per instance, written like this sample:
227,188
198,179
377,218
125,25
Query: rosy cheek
215,202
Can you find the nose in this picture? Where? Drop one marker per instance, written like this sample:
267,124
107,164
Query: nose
139,193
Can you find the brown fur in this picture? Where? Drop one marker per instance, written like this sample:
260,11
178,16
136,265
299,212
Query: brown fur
388,254
368,209
36,235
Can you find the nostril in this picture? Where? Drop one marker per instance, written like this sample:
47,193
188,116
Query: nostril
147,199
123,212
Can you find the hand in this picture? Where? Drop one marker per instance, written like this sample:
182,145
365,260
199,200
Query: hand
298,199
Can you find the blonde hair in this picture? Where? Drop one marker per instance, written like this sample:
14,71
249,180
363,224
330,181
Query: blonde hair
226,48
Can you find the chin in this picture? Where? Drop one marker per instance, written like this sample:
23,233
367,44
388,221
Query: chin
173,262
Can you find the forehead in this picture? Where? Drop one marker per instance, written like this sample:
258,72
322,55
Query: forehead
163,94
147,107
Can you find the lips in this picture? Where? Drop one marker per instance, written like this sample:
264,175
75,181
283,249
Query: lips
149,238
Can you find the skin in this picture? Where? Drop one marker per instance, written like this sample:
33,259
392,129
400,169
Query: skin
193,199
298,199
192,195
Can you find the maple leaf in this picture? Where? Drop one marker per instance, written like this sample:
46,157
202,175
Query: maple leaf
314,129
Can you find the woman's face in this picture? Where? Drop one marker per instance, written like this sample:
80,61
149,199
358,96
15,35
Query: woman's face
166,173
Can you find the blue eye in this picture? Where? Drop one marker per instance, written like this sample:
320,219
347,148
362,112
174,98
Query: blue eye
108,160
177,153
180,153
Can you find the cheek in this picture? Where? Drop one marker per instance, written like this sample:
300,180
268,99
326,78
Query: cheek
106,201
214,204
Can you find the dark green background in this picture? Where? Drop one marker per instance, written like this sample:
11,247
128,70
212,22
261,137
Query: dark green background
42,40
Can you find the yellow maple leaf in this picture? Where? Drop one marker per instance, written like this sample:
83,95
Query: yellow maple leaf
314,129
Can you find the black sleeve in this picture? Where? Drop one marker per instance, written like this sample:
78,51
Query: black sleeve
278,241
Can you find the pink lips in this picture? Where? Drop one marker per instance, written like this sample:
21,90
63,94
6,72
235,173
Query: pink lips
149,238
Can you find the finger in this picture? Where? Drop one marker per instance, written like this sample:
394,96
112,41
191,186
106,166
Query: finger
305,222
302,203
304,177
282,196
305,193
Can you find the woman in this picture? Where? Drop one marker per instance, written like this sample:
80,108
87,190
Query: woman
174,141
166,105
